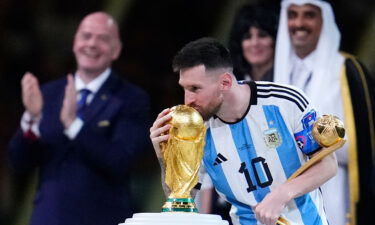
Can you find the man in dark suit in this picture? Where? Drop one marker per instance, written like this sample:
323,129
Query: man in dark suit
83,149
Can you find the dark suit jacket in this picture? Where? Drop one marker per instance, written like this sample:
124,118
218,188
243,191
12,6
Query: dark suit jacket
84,181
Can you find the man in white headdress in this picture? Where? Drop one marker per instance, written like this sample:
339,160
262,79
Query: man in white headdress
307,56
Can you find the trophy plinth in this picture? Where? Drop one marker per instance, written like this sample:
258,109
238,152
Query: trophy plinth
174,218
182,155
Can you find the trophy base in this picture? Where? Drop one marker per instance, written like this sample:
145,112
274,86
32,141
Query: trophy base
174,218
179,205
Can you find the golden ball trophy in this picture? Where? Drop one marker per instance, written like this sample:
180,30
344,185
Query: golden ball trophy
182,155
329,132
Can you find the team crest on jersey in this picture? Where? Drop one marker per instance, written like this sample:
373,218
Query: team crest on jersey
272,138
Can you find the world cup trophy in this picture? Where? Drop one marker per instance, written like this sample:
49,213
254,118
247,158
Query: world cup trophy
182,155
329,132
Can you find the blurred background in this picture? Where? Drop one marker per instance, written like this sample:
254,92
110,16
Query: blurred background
36,36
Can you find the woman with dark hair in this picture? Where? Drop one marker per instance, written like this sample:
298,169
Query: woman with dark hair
252,42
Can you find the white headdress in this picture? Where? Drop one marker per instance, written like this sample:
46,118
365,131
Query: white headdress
326,72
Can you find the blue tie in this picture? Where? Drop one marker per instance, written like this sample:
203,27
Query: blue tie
82,103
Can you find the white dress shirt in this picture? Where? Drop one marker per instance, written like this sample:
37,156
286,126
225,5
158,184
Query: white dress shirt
302,70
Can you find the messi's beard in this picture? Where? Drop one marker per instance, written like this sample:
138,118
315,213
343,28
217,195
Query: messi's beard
212,108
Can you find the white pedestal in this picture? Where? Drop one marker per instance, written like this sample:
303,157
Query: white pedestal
174,218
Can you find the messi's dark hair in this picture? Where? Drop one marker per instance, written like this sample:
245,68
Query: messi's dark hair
204,51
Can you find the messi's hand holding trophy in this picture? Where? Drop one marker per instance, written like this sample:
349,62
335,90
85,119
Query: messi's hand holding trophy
178,136
329,132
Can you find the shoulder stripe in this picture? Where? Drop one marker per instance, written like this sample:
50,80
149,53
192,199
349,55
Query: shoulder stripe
284,97
301,97
283,91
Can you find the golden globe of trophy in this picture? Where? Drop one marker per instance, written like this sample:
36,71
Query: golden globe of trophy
328,130
182,155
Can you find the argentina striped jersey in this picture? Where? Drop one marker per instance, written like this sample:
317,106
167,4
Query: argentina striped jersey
249,158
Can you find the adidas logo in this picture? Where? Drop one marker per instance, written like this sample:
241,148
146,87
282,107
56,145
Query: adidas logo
219,159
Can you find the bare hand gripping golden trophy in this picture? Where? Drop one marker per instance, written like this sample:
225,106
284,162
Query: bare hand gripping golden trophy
182,155
329,132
